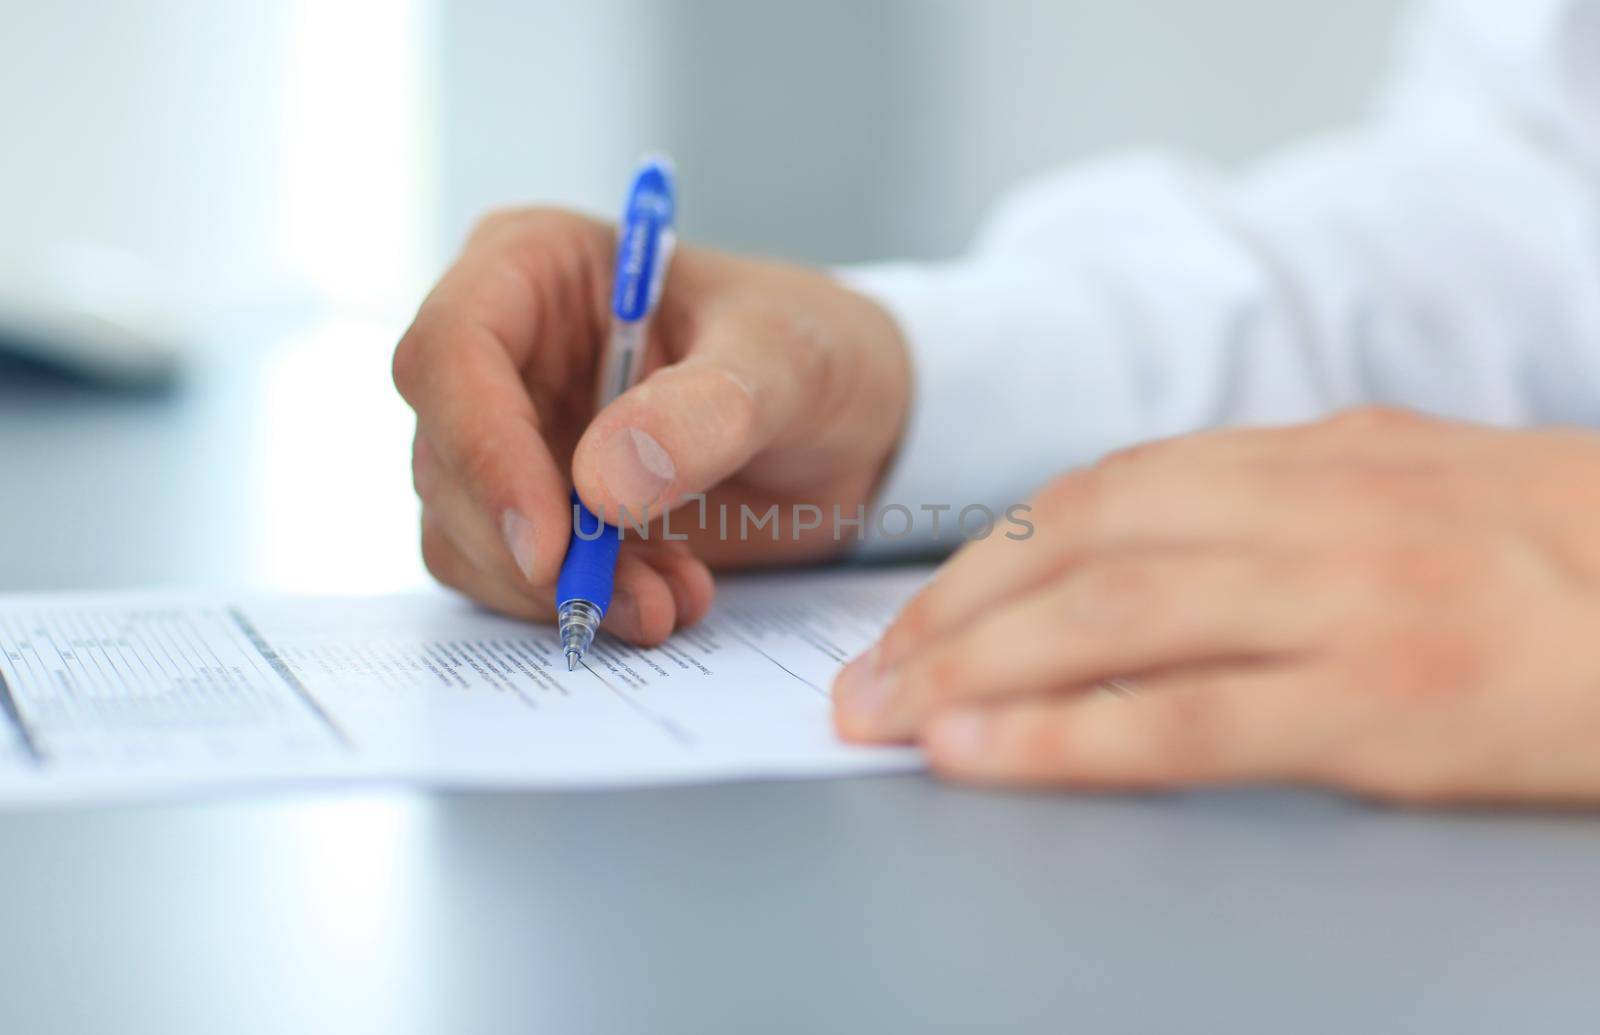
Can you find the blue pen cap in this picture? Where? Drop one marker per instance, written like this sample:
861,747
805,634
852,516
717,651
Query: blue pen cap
644,240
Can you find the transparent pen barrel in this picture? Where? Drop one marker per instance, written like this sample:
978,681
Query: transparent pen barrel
624,354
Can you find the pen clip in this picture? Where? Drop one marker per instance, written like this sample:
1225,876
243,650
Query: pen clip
645,240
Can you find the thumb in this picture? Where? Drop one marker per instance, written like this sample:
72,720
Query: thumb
692,424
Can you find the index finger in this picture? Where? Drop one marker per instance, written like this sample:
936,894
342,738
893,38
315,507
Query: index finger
461,366
1197,491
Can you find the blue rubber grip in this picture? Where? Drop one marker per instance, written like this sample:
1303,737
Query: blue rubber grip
591,563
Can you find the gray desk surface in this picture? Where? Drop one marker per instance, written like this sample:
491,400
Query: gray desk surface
872,904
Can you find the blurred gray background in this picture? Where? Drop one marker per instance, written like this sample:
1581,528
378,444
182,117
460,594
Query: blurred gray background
840,130
837,130
287,177
260,147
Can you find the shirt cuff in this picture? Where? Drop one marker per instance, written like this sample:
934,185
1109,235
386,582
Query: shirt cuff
986,421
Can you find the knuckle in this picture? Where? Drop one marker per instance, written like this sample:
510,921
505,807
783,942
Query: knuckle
1420,571
423,346
1358,487
737,408
910,627
520,221
1119,591
944,677
1376,418
1402,645
480,468
1187,732
806,348
497,220
438,554
1425,663
1129,456
1376,496
721,397
406,367
1394,575
1132,459
1040,744
1069,495
1377,568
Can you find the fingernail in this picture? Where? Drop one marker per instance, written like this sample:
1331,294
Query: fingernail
519,536
864,695
635,468
961,736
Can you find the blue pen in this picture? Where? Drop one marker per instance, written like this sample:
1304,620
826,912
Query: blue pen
644,248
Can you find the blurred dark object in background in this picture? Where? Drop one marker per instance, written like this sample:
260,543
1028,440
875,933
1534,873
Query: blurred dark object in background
98,314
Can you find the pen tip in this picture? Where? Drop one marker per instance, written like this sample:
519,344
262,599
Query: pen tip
572,660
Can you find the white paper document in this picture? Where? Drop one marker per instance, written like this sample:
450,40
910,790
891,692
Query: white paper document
111,695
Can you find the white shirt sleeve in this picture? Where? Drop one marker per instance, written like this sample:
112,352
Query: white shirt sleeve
1444,257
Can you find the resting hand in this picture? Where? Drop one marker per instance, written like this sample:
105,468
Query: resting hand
1384,603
